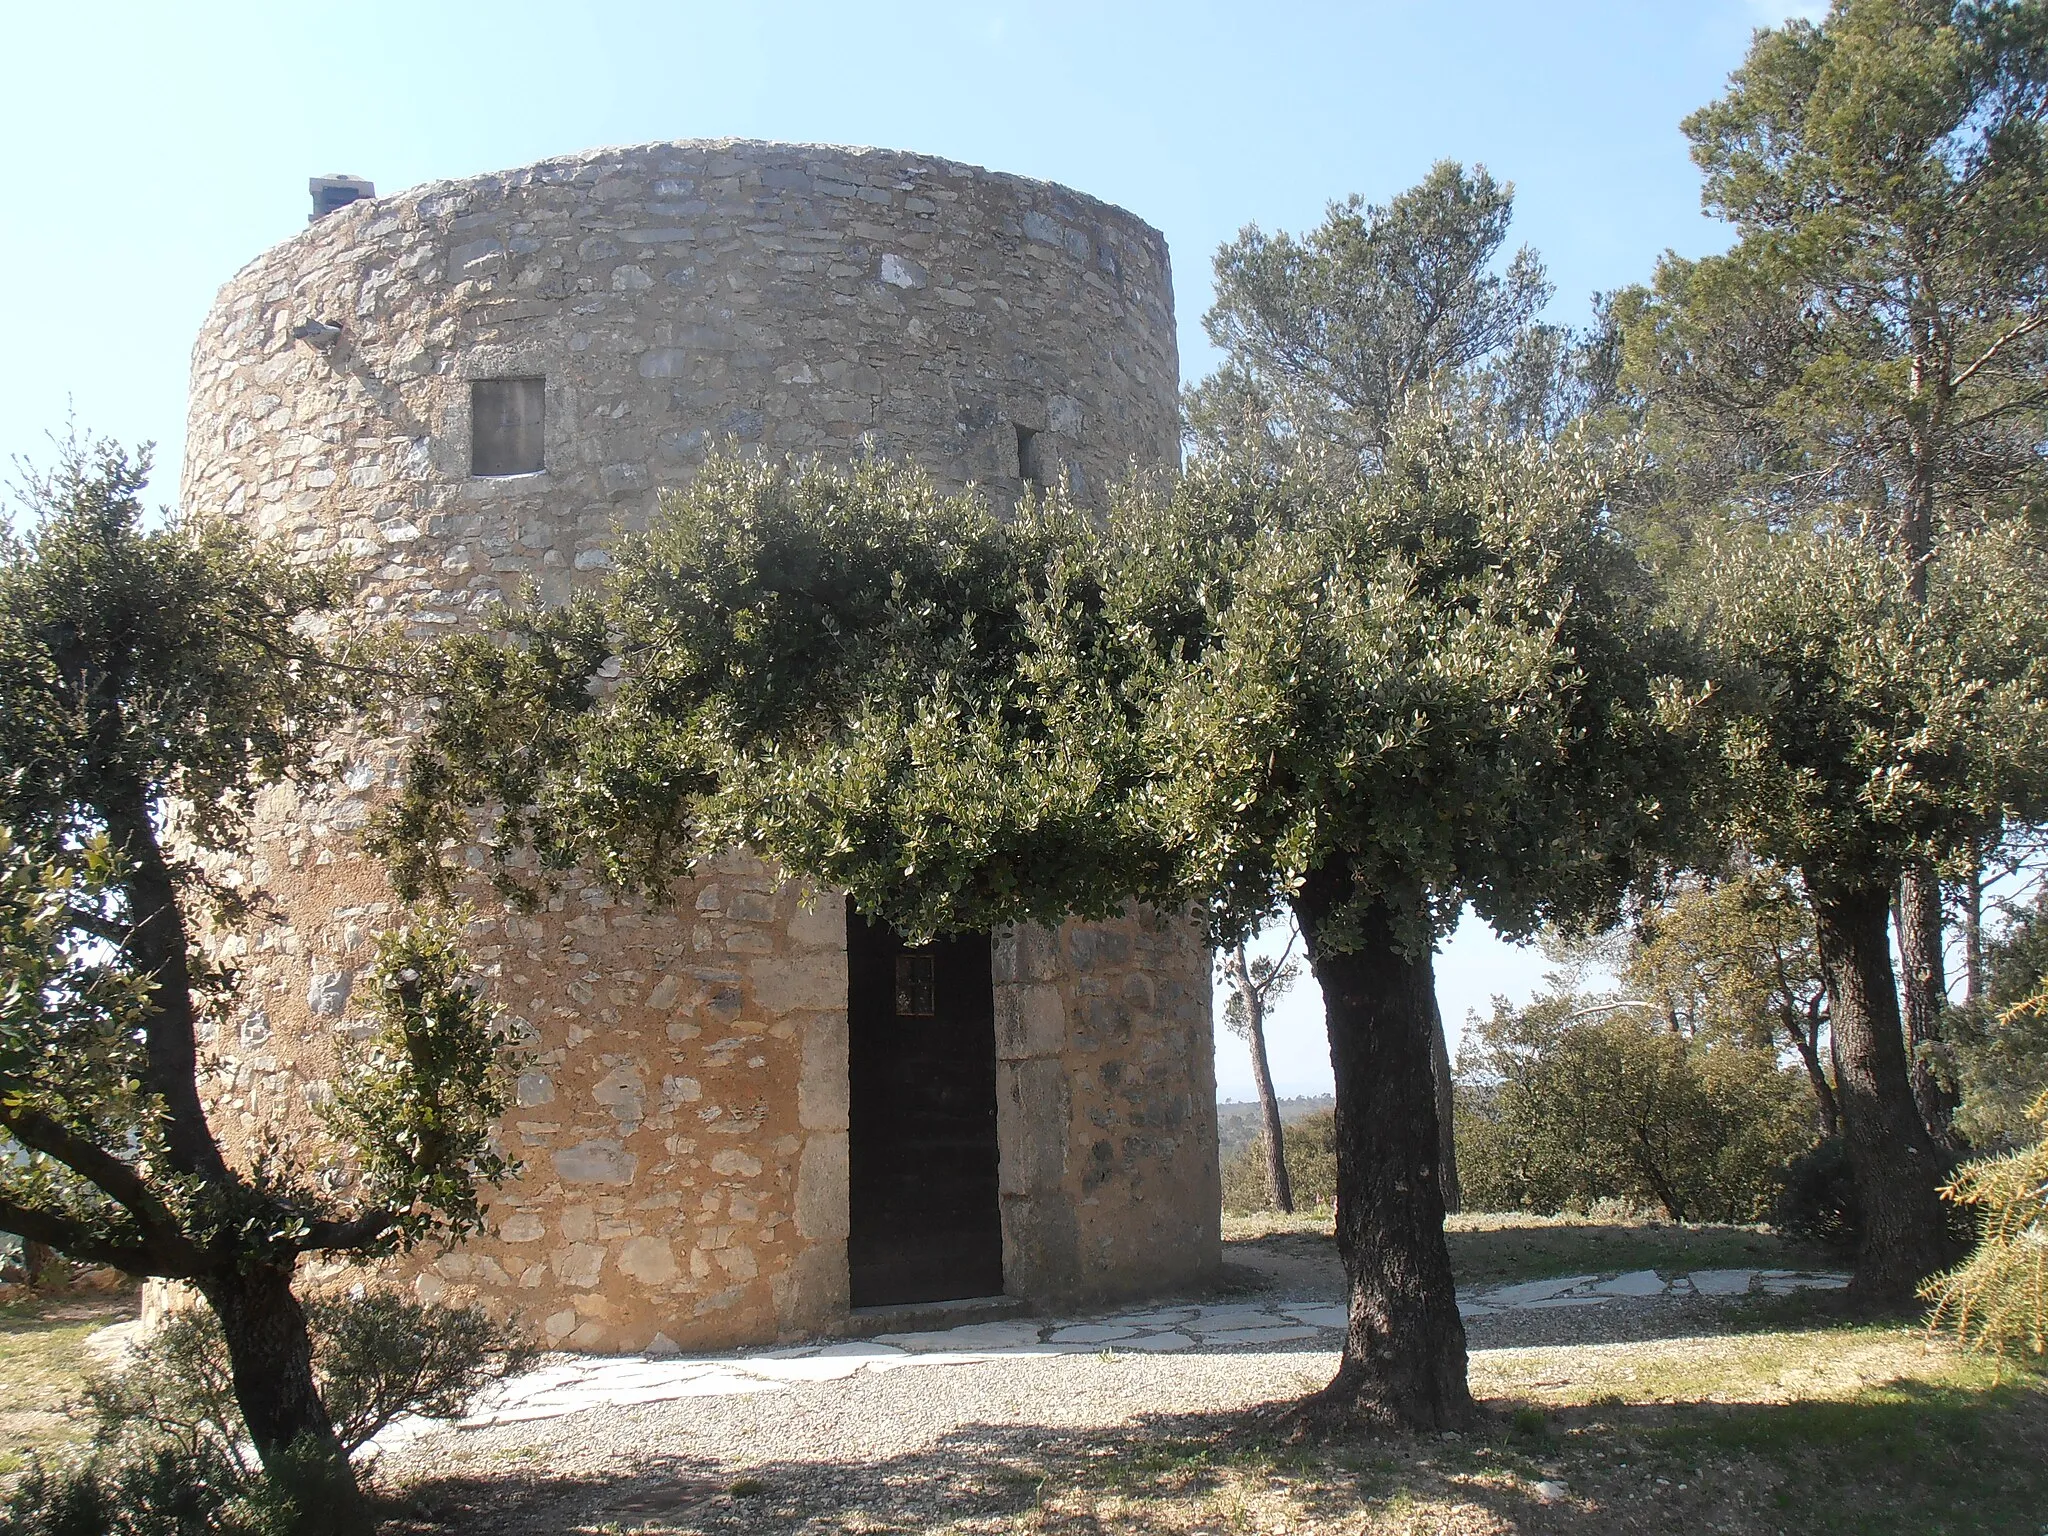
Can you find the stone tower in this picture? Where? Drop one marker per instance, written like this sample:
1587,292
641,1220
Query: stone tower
476,384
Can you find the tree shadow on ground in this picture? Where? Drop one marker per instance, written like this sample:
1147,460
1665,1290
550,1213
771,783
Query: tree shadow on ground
1504,1254
1163,1472
1906,1456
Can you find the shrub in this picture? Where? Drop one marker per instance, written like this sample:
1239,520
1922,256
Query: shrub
168,1491
165,1492
1996,1051
378,1356
172,1458
1562,1106
383,1355
1818,1201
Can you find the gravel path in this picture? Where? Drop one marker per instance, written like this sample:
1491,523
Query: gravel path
935,1419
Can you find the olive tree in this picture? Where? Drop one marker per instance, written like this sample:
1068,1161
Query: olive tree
1433,687
1369,703
1873,711
153,682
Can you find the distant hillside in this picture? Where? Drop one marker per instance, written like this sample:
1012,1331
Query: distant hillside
1237,1124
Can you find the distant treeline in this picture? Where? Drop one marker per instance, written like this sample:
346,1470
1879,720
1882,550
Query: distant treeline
1237,1123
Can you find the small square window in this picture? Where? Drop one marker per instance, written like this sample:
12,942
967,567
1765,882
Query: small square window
506,421
1030,459
917,986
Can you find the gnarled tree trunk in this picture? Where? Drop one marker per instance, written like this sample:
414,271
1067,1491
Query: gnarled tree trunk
1827,1112
1897,1166
1926,991
1404,1350
270,1351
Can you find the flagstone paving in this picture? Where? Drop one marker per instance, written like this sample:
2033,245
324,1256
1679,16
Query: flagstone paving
572,1384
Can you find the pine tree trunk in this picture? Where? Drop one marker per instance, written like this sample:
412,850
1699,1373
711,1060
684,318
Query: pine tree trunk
1898,1169
1926,992
1272,1135
1973,928
1404,1350
1446,1106
270,1352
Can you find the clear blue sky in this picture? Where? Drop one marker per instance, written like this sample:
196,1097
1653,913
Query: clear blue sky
157,147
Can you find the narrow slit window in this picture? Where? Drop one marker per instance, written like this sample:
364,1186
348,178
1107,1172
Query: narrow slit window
506,426
1030,459
917,986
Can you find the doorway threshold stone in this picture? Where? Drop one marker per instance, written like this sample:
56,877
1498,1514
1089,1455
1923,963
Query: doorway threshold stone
925,1316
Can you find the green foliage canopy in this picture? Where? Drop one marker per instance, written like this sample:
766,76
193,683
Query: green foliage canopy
1446,683
1329,335
1865,727
1446,676
1874,337
881,686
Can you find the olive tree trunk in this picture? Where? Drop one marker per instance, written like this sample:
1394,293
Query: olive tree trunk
1404,1348
1898,1169
1919,920
1446,1105
270,1353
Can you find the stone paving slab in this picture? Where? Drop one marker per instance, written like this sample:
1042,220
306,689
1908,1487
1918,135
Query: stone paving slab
1640,1282
1280,1335
1723,1282
570,1385
1336,1317
1091,1333
1522,1294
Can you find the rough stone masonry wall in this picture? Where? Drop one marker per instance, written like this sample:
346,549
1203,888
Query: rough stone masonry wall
683,1121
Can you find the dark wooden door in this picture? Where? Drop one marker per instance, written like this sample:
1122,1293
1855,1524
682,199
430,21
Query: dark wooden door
921,1069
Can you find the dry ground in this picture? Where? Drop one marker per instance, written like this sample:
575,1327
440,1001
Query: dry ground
1790,1415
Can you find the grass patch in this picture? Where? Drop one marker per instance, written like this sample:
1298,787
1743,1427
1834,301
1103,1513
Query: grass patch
1907,1455
1498,1248
1816,1431
1832,1364
43,1361
1242,1227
